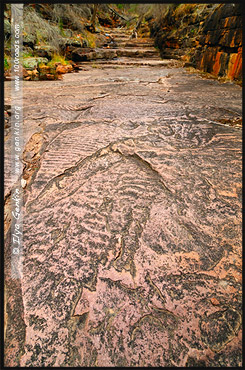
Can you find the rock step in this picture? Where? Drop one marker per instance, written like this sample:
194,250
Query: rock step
135,44
122,36
140,47
140,53
121,31
123,47
137,40
152,62
139,44
82,54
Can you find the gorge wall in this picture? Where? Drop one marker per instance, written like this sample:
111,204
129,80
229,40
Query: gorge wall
206,36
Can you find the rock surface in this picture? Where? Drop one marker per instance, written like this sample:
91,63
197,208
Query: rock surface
132,222
210,39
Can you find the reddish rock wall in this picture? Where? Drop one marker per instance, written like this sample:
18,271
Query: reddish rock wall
220,48
209,36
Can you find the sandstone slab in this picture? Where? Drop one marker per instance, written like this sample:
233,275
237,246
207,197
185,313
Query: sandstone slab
132,222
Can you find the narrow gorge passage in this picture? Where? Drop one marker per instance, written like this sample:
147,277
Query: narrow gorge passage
132,217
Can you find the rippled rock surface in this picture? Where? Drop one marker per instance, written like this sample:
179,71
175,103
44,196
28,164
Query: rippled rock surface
132,222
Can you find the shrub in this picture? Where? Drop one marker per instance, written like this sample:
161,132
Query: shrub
57,59
6,64
42,30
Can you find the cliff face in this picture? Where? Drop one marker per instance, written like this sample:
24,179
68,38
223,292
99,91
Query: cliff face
208,36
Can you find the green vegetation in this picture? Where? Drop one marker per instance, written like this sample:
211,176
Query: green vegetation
27,54
60,24
133,8
6,63
184,9
90,37
57,59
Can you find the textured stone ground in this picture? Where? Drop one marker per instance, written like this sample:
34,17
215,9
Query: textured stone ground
132,222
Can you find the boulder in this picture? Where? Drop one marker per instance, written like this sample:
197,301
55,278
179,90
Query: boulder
80,54
73,42
29,40
32,62
44,51
86,54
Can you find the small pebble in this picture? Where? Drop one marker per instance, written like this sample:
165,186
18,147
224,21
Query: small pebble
23,183
215,301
